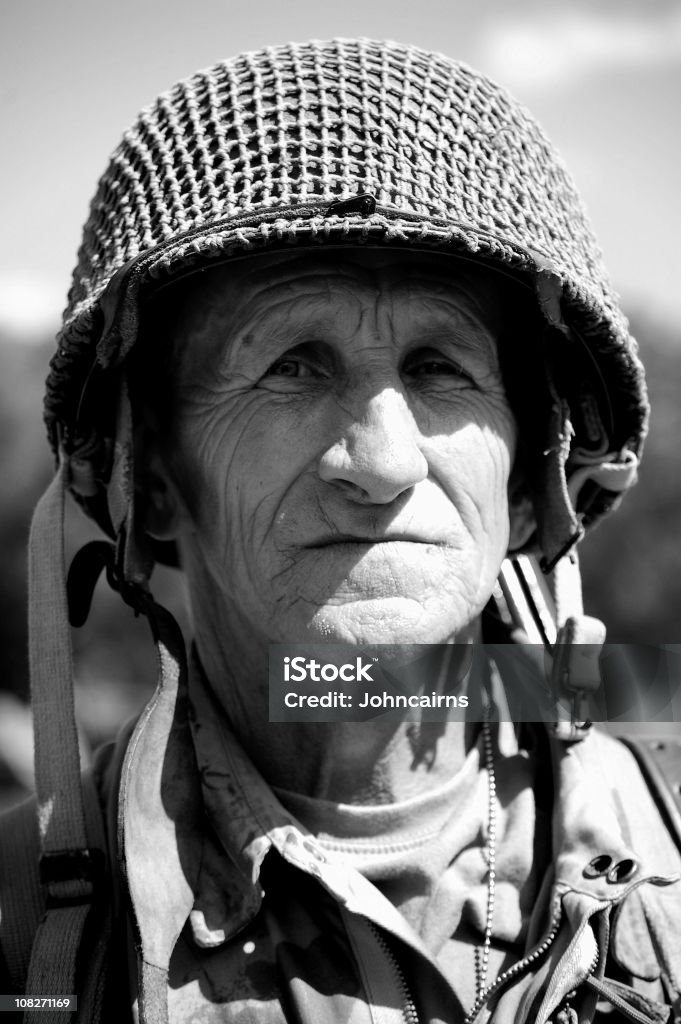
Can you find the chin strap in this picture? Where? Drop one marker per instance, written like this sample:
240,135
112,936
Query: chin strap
547,609
134,562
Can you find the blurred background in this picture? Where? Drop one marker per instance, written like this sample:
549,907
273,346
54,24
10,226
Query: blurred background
604,79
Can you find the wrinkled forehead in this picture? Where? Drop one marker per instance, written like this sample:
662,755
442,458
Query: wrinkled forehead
220,301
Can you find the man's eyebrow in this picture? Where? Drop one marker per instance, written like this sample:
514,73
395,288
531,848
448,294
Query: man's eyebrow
470,325
263,307
267,321
478,347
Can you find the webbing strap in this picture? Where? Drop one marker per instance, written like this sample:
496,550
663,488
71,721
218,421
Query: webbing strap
565,583
549,610
53,961
57,765
65,862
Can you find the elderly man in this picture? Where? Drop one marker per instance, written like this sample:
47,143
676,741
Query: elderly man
339,342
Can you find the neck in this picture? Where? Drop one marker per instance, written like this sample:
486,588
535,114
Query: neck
364,763
370,762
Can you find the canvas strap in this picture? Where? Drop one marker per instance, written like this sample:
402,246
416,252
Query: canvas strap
69,867
547,609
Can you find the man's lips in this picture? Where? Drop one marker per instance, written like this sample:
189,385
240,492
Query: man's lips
361,540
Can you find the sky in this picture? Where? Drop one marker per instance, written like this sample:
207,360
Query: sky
603,77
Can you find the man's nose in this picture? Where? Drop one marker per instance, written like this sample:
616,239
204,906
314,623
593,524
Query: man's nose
377,455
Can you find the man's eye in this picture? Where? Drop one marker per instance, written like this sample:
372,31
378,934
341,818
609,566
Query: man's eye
308,362
288,368
426,363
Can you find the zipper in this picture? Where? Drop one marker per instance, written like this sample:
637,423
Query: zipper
517,968
408,1006
604,943
615,999
566,1003
594,964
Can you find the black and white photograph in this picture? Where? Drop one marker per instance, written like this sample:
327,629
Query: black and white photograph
340,541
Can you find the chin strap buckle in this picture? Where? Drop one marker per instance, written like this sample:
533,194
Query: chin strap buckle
575,675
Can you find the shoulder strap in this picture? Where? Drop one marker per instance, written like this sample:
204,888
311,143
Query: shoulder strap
21,899
23,912
659,758
72,860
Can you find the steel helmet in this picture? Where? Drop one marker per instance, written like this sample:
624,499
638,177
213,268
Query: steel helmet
354,142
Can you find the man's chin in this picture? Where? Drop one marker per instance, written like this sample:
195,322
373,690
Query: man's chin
387,620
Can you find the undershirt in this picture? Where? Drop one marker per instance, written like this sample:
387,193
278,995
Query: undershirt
428,854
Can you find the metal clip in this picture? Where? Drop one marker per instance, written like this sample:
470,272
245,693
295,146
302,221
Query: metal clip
58,869
576,673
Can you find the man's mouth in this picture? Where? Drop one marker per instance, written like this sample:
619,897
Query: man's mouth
361,540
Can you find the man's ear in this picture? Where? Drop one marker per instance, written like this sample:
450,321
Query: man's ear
521,510
159,502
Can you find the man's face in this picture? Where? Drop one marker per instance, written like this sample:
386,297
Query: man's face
341,445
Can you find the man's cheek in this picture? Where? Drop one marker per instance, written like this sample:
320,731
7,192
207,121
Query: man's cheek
203,460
